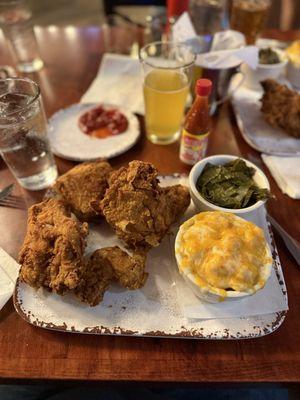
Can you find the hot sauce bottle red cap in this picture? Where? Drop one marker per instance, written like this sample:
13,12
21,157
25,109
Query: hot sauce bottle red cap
203,87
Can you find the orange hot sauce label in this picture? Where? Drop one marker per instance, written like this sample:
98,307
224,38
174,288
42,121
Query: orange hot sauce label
193,147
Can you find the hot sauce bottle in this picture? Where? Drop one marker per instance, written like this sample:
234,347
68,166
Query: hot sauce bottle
195,131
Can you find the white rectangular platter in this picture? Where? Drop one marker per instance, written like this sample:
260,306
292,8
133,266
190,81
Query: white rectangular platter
255,130
152,311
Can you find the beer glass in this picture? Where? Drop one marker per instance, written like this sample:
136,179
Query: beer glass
168,71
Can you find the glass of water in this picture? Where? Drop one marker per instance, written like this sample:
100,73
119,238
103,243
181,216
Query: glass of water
16,23
207,15
24,144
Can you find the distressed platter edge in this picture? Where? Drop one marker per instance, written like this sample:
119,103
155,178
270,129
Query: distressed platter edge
257,326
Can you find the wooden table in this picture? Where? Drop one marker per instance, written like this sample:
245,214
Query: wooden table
72,57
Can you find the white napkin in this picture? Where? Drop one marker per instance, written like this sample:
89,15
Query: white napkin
183,29
266,301
228,40
286,172
9,271
118,82
223,59
227,50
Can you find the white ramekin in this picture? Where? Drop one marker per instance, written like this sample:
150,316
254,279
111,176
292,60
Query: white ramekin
253,77
203,205
293,74
211,295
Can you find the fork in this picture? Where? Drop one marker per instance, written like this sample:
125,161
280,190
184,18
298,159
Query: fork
6,191
12,201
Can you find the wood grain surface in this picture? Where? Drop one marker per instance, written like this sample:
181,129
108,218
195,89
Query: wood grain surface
72,57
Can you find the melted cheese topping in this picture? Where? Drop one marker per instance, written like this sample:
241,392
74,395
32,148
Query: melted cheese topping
293,52
222,251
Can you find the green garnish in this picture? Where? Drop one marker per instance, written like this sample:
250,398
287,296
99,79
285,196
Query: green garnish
230,185
268,56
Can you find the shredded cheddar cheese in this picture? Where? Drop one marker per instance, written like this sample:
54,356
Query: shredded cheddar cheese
223,252
293,52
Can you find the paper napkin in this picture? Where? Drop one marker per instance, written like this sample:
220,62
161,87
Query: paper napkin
227,49
183,29
286,172
228,40
119,82
9,271
266,301
229,58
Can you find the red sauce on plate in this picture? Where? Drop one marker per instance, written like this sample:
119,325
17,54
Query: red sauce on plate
101,122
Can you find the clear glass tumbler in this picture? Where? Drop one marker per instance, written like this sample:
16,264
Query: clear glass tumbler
23,134
16,23
207,15
168,71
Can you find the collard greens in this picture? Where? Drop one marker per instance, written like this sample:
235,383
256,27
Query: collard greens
230,185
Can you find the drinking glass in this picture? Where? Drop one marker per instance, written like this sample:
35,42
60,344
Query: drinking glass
167,70
16,23
249,17
207,15
23,134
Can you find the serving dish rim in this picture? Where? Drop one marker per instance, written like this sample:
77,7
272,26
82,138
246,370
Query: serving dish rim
201,199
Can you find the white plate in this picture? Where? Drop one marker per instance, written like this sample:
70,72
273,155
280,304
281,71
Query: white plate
154,310
255,130
68,141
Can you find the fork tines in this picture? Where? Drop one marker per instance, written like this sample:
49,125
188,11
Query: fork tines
13,202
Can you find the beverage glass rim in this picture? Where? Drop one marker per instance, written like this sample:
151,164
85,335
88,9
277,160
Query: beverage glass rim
11,3
174,44
266,3
33,100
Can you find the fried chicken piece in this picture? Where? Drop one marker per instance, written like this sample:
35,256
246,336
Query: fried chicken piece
138,209
98,275
51,255
178,199
107,265
128,270
82,185
281,107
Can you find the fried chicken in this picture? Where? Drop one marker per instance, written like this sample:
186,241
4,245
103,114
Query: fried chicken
138,209
98,275
281,107
52,252
82,185
107,265
128,270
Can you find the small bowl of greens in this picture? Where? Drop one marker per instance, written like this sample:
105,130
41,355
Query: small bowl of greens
271,65
228,183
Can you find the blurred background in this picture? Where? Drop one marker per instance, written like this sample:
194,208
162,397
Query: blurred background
284,14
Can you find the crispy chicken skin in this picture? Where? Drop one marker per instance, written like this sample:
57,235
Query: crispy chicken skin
178,199
133,203
281,107
82,185
107,265
51,255
138,209
128,269
97,277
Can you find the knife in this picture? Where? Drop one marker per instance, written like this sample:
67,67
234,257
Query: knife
292,244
